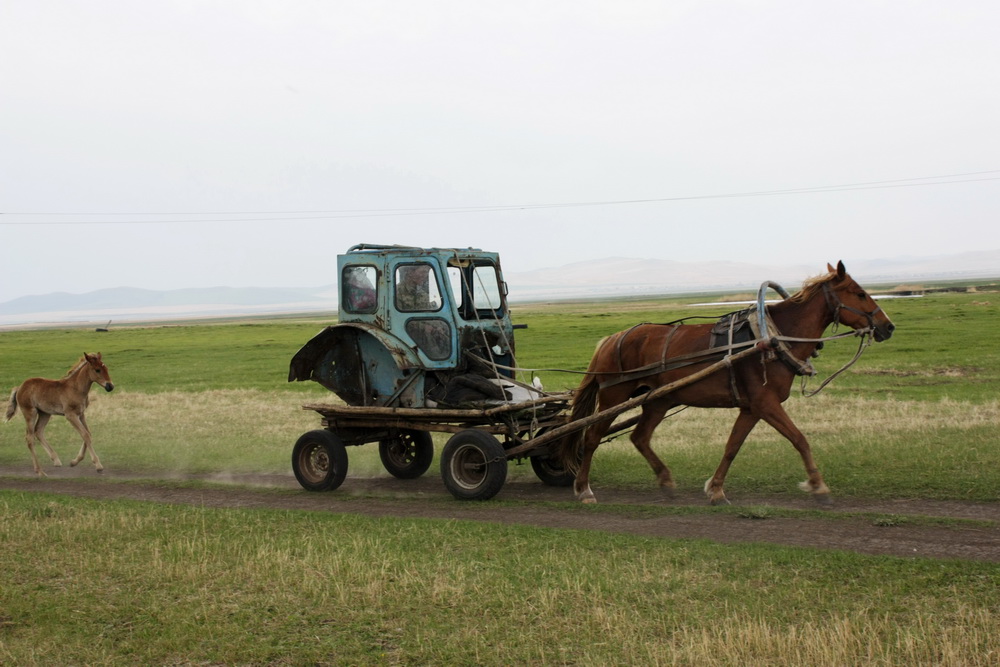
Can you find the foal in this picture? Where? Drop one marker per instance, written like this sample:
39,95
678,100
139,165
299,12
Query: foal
39,399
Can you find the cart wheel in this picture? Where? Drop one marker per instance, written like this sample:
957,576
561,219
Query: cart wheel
473,465
319,461
551,472
407,454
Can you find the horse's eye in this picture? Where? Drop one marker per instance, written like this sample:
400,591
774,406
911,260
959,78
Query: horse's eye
862,295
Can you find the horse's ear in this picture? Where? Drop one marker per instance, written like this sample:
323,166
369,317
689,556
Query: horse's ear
841,272
830,268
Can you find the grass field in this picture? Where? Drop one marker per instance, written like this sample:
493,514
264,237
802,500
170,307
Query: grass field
90,582
126,583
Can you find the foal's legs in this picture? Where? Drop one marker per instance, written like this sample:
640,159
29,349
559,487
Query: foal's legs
34,423
741,429
79,422
43,420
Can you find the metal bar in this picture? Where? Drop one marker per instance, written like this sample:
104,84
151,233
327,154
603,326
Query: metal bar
761,312
409,380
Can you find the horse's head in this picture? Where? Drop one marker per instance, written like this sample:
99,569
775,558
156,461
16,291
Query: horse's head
98,372
853,306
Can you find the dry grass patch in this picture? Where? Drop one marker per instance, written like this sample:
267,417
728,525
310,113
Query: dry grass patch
875,446
864,447
967,639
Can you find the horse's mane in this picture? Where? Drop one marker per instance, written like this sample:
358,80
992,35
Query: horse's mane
811,286
79,364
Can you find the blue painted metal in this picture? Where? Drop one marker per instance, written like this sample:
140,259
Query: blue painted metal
409,318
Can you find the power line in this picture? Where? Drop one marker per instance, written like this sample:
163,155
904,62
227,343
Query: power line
338,214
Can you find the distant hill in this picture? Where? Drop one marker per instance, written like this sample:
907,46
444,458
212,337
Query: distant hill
630,276
617,276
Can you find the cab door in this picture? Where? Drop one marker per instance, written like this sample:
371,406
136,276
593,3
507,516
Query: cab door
420,311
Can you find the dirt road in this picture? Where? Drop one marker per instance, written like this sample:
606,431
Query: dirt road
532,503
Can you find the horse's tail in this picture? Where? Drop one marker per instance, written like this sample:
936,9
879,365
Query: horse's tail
569,448
12,406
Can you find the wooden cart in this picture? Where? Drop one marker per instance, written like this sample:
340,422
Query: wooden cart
474,460
414,324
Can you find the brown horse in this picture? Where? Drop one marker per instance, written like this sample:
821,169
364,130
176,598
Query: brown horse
39,399
631,363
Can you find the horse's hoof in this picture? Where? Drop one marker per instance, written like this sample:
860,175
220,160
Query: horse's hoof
720,501
668,492
72,464
589,501
100,470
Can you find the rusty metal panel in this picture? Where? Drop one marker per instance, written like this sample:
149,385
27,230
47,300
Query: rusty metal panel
383,351
361,364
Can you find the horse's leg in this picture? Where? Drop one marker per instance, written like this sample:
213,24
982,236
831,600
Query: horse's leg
30,417
652,415
79,422
43,420
741,429
591,439
776,416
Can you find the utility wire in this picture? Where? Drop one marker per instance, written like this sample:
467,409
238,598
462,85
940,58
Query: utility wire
289,216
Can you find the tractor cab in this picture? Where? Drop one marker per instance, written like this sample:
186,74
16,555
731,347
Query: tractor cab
418,327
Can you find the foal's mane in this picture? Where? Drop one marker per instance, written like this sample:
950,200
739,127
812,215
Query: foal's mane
77,366
811,286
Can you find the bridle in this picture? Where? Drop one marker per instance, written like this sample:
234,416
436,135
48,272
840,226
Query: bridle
836,305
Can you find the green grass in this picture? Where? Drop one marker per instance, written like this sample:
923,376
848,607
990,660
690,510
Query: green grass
188,358
129,583
906,421
97,583
945,345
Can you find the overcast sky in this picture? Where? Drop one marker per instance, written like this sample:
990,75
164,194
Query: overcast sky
197,143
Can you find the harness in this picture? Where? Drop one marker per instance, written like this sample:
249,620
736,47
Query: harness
836,306
740,330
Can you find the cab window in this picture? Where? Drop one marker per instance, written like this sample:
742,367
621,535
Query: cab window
479,286
432,336
357,289
416,288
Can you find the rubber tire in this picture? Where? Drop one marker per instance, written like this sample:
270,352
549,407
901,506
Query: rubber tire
473,465
408,454
551,473
319,461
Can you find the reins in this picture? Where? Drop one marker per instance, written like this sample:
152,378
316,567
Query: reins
865,335
762,329
866,339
